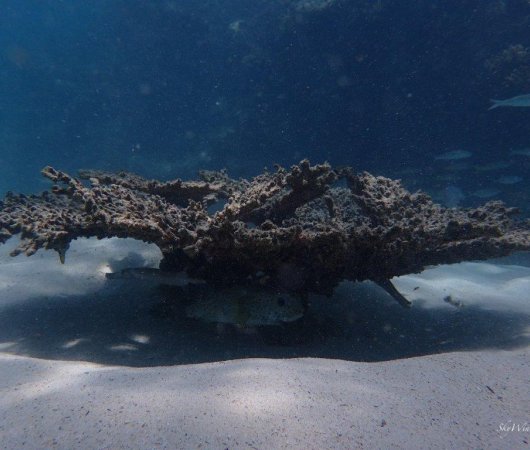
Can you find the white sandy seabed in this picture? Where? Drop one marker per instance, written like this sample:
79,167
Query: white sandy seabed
82,365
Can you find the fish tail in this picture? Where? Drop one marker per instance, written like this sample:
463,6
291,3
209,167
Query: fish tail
496,104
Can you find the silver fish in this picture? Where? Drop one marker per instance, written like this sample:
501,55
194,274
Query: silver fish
154,276
510,179
454,155
486,193
519,101
492,166
244,306
521,152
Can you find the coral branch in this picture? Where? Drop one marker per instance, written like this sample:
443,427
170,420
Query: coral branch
292,226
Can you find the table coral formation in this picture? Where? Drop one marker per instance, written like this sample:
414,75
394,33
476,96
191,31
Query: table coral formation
304,229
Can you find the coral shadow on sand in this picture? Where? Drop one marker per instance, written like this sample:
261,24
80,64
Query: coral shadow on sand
360,324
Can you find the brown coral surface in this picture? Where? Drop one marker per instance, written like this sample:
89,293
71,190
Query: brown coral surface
305,229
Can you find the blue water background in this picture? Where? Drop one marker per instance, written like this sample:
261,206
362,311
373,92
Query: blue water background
164,88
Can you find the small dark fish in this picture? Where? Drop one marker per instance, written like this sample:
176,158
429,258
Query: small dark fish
453,302
153,275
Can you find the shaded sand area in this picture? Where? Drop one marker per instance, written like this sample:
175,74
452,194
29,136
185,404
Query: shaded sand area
90,363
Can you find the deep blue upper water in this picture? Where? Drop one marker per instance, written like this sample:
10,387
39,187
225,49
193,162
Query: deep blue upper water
164,88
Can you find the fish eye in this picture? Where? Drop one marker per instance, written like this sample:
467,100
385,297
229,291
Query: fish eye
281,301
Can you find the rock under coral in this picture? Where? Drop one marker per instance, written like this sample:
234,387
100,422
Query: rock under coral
299,219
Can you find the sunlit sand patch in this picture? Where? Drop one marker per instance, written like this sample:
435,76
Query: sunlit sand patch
104,268
122,347
140,338
493,287
6,345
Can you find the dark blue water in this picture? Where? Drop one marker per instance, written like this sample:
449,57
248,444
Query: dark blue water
164,88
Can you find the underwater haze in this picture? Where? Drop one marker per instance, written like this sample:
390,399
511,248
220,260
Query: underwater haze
315,306
165,88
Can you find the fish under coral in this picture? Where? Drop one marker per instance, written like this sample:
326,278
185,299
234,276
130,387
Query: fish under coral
147,274
372,229
243,306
